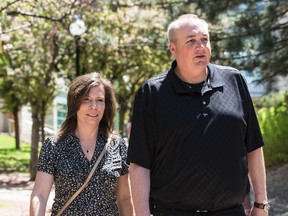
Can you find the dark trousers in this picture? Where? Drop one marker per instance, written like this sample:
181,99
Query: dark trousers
235,211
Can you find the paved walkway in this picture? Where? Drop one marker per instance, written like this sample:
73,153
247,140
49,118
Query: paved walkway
15,190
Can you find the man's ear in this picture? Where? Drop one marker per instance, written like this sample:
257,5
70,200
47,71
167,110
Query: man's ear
172,48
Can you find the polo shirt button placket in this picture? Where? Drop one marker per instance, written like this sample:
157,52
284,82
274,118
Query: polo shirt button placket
204,108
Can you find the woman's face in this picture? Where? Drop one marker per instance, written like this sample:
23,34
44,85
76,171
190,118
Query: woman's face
92,107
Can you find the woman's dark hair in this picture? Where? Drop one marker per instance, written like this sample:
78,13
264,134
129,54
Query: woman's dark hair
78,90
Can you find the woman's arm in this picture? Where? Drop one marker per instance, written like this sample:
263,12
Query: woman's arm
40,194
124,199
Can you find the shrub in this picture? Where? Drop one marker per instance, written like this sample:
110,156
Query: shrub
272,113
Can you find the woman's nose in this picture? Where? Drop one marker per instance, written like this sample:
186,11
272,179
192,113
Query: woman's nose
93,103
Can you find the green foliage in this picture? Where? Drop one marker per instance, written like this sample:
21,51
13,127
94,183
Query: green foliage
262,28
127,38
11,86
122,43
12,160
273,120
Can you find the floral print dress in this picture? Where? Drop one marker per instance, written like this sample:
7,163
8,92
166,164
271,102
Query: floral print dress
70,167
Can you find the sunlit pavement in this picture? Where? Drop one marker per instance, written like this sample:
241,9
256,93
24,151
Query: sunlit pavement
16,202
15,198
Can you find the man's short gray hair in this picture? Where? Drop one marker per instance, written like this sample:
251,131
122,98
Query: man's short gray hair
180,22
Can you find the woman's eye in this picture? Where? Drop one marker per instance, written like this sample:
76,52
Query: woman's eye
92,101
86,100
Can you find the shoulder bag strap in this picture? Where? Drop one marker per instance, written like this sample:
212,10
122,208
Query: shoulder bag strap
88,178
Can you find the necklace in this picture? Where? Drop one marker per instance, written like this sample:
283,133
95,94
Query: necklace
85,144
88,150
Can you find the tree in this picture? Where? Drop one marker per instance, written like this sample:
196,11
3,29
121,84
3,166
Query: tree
266,26
36,51
11,86
122,43
41,73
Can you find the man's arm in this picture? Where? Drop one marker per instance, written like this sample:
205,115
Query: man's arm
124,197
257,176
140,186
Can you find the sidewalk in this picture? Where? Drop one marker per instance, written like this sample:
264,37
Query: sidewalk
15,190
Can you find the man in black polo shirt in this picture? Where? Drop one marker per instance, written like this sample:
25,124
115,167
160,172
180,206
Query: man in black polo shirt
195,138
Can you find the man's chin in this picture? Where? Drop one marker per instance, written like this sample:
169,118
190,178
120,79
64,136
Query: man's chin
203,64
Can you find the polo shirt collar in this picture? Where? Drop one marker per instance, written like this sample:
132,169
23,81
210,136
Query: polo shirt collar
214,80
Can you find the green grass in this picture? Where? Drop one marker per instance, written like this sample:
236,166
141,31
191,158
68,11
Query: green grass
12,160
2,204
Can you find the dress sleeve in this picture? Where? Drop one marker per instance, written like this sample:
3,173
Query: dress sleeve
47,158
123,154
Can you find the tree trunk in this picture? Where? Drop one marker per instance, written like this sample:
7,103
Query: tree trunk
122,129
34,141
17,128
42,127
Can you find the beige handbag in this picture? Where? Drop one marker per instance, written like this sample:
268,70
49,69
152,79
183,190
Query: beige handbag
87,180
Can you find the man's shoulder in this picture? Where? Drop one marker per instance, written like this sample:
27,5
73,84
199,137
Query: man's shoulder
155,81
158,78
224,68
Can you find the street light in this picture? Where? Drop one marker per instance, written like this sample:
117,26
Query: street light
77,28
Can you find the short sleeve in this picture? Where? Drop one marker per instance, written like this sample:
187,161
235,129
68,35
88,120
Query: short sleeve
123,153
253,138
141,138
47,157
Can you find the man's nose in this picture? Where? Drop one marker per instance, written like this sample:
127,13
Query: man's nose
199,44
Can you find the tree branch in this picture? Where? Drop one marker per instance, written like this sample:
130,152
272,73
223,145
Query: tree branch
15,13
8,5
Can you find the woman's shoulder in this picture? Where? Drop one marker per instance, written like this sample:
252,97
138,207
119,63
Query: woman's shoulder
117,138
118,146
50,141
55,142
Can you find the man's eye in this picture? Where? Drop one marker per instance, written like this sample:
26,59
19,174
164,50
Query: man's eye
205,39
191,41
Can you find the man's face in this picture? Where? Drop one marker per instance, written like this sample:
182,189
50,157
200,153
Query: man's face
192,47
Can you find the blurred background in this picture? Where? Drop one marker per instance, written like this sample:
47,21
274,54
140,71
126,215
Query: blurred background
45,44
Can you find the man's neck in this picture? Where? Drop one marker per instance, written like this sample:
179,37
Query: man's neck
193,77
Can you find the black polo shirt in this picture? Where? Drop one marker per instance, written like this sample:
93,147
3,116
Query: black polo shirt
195,138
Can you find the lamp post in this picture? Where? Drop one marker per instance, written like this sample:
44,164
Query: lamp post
77,28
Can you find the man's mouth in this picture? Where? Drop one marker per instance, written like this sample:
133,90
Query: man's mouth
200,56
